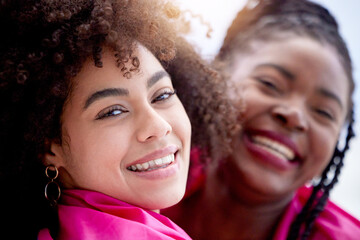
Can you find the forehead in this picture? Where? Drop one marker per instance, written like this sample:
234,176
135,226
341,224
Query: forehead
91,76
307,59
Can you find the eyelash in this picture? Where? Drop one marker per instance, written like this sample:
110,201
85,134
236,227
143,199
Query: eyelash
267,84
111,112
325,114
165,95
118,110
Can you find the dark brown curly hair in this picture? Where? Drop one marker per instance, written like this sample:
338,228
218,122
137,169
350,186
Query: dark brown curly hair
43,46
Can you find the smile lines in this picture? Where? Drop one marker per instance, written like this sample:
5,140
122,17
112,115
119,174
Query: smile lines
153,164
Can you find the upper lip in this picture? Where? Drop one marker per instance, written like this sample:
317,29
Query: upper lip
159,153
278,138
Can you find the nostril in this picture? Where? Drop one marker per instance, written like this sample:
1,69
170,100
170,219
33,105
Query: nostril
281,118
300,128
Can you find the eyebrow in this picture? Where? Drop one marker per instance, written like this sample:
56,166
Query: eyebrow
156,77
108,92
287,74
105,93
331,95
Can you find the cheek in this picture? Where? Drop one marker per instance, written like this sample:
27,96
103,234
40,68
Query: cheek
180,123
90,147
323,143
253,103
96,160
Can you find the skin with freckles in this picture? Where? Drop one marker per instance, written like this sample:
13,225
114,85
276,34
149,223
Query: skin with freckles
111,123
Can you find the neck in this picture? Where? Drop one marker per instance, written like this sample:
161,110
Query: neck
244,215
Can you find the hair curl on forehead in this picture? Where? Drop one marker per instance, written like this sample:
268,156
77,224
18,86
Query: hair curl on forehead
269,18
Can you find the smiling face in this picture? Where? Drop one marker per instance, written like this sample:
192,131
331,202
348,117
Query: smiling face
296,97
127,138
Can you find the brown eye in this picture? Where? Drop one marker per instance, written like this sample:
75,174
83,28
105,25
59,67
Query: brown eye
112,111
163,96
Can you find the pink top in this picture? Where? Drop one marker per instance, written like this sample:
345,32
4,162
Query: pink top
91,215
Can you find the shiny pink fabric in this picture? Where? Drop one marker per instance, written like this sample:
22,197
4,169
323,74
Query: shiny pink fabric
332,224
91,215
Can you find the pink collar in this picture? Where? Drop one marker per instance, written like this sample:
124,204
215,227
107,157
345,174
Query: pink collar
87,214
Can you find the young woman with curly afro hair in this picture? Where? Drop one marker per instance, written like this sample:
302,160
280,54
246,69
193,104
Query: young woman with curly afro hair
89,114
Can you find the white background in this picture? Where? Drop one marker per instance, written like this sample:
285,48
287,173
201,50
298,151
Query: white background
220,13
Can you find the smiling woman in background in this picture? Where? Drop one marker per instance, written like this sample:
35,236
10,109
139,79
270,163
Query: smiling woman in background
294,75
89,111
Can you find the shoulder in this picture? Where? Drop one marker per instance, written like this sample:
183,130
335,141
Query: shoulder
333,222
337,223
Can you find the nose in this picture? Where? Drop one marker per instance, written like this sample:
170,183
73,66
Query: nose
291,117
152,126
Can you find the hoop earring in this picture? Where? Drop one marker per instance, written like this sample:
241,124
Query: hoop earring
52,188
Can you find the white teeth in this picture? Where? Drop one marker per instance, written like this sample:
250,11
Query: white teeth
139,166
145,166
168,159
153,164
158,161
275,148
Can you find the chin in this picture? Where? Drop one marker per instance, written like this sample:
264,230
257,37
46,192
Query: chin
164,200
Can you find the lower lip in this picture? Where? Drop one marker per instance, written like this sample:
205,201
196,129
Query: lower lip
267,158
161,173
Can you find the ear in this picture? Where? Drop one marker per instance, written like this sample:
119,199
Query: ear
55,155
